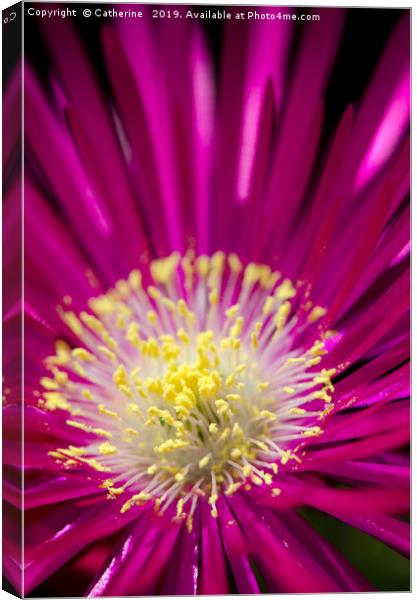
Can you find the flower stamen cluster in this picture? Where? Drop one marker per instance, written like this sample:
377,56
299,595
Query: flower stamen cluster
190,384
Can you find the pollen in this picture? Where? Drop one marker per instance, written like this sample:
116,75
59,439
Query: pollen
197,382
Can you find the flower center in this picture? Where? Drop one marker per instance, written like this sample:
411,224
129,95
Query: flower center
199,376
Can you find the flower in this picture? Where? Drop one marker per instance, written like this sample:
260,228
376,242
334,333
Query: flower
216,297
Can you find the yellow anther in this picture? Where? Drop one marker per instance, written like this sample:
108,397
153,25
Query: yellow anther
104,350
262,446
94,464
317,313
120,322
107,483
133,409
203,265
214,297
163,415
61,377
114,492
318,348
105,411
232,488
236,329
237,431
189,524
80,370
217,262
154,293
107,449
254,340
234,263
170,445
89,429
294,360
49,384
322,395
100,431
87,395
120,376
222,407
327,411
275,492
213,428
297,411
252,274
247,470
267,414
131,431
152,317
83,354
268,306
263,385
256,480
138,499
324,376
180,507
288,390
135,279
204,461
183,336
313,431
282,315
213,499
314,361
62,354
132,334
162,269
285,457
236,453
102,306
54,400
93,323
122,288
233,311
285,291
230,380
72,321
182,308
225,434
111,342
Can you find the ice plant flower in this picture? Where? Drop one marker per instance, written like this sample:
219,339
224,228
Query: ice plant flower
215,313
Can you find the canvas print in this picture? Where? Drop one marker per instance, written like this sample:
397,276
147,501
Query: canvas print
206,329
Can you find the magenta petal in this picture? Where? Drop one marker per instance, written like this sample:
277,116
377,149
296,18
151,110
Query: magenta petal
136,566
237,549
288,564
182,575
213,576
389,530
351,502
99,146
78,529
379,473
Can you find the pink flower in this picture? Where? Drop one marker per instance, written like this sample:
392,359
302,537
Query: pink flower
216,312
